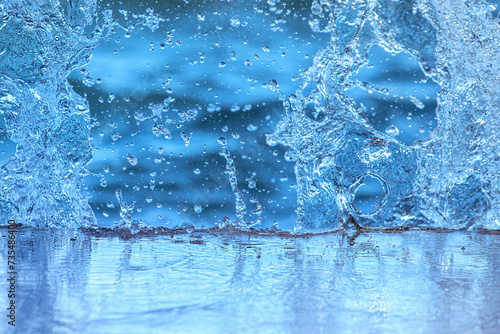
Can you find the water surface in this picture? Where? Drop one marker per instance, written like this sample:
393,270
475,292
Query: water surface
222,282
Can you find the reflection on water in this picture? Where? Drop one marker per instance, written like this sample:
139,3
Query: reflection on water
424,282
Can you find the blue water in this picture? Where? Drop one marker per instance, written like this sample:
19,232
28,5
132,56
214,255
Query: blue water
409,282
334,116
173,165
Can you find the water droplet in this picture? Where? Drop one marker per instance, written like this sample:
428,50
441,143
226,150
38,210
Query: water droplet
419,104
222,141
252,127
115,136
198,208
149,199
131,159
316,8
188,227
211,107
234,22
235,107
186,139
392,131
89,82
197,171
271,140
273,85
291,155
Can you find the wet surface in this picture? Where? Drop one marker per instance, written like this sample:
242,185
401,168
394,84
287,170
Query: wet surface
422,282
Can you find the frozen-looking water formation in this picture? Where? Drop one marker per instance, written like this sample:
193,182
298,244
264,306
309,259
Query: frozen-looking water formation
40,44
449,180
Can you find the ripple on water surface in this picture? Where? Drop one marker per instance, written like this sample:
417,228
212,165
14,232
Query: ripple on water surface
208,282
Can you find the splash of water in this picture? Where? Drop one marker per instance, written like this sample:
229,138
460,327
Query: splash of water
241,208
449,180
40,44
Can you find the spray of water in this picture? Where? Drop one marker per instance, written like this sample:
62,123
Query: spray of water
40,44
449,180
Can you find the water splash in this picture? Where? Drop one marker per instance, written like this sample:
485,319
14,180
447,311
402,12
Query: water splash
241,208
449,180
41,43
